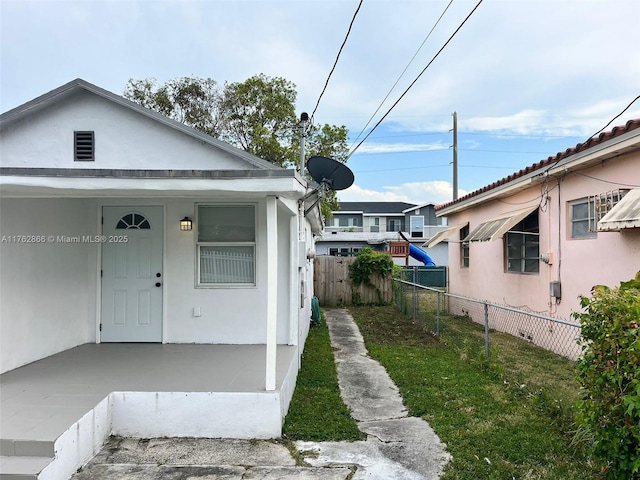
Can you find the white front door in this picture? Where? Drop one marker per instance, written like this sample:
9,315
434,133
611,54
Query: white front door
132,278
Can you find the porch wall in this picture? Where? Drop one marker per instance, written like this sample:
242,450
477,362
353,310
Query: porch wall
229,315
48,288
50,292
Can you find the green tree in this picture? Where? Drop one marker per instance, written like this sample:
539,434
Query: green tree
327,141
192,101
257,116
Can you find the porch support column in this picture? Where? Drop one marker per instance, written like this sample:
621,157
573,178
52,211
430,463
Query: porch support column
294,282
272,291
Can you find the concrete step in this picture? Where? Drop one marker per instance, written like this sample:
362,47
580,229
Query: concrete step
22,467
26,448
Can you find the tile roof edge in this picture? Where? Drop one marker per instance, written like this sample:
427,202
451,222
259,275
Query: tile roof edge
580,147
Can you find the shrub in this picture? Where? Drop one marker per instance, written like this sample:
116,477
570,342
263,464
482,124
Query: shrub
609,373
367,263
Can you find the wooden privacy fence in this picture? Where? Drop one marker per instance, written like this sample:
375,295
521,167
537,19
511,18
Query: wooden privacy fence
333,286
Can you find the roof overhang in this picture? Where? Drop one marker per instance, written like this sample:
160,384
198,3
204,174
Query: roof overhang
625,214
417,207
494,229
443,235
361,237
86,183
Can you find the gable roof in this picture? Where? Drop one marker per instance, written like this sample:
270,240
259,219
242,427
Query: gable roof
374,207
546,165
79,85
416,207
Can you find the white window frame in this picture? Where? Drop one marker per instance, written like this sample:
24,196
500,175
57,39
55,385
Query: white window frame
392,225
416,225
590,219
200,244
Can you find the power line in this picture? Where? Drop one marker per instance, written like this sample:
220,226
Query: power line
609,181
535,135
410,135
431,166
522,152
612,120
337,57
416,79
403,72
501,151
448,132
592,136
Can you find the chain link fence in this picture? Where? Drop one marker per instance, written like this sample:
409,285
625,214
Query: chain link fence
471,324
426,276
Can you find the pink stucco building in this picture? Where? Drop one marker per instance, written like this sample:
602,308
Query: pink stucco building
547,234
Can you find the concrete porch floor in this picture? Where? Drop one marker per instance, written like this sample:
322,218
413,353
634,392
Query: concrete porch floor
41,401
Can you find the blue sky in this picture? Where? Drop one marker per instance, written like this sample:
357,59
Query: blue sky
528,78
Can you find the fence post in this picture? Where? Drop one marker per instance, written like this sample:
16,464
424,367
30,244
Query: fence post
396,297
438,314
486,330
415,302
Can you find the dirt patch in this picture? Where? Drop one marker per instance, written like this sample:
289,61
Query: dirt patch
385,326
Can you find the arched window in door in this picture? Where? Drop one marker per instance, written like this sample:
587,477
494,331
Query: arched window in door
133,221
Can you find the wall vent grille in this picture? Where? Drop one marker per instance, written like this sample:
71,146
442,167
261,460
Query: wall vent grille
84,146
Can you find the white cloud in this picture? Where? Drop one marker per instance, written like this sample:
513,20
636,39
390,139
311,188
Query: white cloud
356,193
437,191
374,148
507,61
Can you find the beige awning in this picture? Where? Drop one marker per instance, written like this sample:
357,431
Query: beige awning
494,229
625,214
443,235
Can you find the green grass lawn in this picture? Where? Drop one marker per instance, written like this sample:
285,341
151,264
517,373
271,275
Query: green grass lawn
509,418
501,419
317,412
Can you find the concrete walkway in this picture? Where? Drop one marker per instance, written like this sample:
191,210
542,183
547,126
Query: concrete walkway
397,447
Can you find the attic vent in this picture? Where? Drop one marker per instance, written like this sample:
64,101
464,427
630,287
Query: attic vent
84,146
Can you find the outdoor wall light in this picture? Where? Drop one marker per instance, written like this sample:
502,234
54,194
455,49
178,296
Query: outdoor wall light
185,224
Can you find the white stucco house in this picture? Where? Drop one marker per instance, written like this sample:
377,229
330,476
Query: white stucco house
120,226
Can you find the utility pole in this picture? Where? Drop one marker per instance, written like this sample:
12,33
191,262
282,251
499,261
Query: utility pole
304,120
455,156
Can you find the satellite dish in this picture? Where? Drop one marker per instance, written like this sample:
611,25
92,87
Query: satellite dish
330,173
